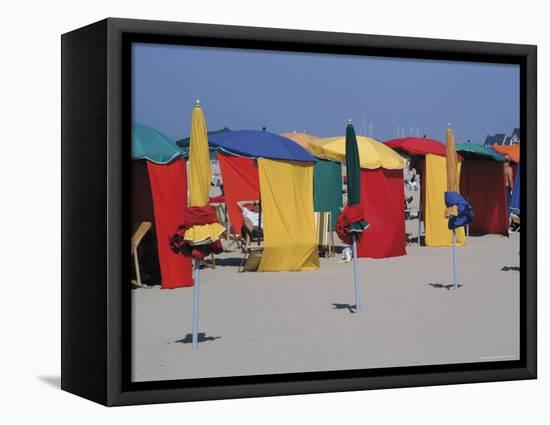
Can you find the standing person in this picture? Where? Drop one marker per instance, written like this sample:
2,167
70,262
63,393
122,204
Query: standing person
508,179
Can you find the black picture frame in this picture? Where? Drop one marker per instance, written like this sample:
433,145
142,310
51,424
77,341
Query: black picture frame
96,86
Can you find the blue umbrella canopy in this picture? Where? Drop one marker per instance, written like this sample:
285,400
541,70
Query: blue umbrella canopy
151,144
260,144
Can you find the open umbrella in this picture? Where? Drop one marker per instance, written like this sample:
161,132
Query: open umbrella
204,231
357,224
302,138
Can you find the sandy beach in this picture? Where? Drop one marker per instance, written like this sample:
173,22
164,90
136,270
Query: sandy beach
265,323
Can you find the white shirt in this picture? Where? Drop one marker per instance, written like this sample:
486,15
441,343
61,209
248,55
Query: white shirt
253,216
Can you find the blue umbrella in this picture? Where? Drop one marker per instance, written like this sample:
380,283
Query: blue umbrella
260,144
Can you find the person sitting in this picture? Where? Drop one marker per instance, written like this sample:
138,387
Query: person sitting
252,223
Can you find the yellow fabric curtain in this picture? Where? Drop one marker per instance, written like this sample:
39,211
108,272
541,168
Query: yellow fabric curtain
286,189
437,232
199,161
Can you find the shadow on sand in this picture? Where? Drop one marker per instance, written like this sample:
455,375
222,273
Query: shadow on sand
201,338
350,307
447,286
510,269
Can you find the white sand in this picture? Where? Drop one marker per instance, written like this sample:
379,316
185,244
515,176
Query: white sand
262,323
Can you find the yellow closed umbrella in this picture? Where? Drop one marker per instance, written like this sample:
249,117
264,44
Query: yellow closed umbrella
372,154
452,186
452,169
199,160
302,138
199,188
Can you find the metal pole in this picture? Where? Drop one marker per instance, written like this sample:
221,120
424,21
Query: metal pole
196,296
419,209
356,275
454,259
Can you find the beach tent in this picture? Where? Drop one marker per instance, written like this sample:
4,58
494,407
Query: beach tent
511,150
285,174
327,179
183,144
482,184
434,185
382,193
159,195
302,138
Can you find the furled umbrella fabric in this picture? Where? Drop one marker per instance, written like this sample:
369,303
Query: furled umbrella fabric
452,170
199,161
352,218
200,231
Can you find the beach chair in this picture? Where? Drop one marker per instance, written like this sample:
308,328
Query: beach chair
251,259
323,228
138,235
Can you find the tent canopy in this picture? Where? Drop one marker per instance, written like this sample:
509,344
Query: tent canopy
418,146
183,144
302,138
372,154
475,151
260,144
151,144
511,151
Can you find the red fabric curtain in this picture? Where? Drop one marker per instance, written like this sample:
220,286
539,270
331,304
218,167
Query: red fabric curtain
382,198
169,192
482,184
240,183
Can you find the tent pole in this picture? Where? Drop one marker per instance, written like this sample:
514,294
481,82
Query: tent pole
196,295
356,275
419,208
454,259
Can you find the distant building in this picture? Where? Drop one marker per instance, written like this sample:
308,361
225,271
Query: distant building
514,138
503,139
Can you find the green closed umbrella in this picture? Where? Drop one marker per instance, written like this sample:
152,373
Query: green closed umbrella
353,171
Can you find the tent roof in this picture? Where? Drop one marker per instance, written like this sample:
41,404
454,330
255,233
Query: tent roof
473,150
372,154
260,144
418,146
302,138
149,143
184,143
512,151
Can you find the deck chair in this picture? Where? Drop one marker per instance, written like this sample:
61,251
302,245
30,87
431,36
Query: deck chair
323,229
251,259
138,235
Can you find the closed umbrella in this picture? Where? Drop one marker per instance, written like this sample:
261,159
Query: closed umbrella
452,186
202,234
356,227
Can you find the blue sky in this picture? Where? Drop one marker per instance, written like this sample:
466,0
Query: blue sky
285,91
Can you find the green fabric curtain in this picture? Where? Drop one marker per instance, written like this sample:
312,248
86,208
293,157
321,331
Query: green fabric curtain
327,188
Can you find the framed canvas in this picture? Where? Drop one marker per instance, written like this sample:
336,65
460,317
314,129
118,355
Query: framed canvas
252,212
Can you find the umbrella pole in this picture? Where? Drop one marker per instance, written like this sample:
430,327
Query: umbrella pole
196,295
356,275
454,259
